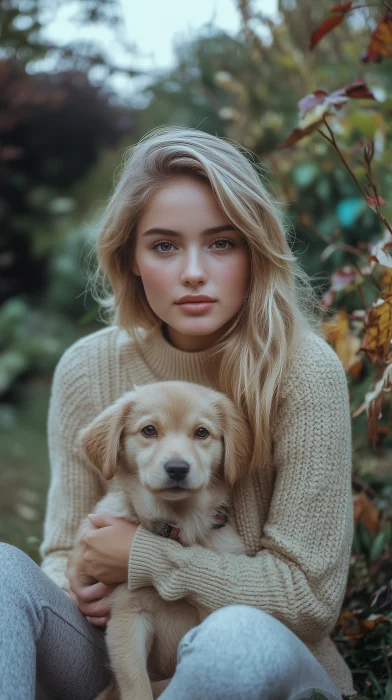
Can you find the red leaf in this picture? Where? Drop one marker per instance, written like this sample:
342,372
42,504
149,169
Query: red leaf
341,8
356,90
359,90
297,135
372,201
324,28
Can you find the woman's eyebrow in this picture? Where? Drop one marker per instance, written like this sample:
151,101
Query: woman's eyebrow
178,234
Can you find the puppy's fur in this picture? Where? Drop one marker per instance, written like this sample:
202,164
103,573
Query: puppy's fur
203,429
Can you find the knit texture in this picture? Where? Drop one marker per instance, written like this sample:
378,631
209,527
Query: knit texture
295,515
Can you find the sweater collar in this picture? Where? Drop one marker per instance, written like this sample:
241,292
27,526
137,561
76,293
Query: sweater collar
167,362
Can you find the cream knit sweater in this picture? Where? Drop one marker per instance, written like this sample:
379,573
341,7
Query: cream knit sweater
295,516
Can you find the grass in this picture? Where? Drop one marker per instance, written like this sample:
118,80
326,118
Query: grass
24,469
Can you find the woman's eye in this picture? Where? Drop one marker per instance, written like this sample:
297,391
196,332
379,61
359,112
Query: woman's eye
155,247
218,240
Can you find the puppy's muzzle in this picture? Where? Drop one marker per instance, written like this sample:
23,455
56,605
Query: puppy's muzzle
177,469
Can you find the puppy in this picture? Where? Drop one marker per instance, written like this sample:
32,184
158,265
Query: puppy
171,451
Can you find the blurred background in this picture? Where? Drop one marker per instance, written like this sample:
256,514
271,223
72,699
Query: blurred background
82,81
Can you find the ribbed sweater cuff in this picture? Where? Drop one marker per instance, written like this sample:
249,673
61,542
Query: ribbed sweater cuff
147,559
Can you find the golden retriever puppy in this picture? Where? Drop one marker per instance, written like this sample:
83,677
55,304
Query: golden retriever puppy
171,451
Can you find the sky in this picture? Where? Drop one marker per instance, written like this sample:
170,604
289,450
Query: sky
152,26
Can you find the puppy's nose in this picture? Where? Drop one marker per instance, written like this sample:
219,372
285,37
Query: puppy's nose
177,469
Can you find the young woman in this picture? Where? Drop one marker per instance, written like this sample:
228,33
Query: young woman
190,216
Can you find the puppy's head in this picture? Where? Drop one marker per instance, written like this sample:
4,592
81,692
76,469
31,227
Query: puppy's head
176,438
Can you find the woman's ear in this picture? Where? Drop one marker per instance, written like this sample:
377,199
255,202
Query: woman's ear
102,438
237,439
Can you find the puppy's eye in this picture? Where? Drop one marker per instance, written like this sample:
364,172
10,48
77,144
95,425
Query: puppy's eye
147,430
204,432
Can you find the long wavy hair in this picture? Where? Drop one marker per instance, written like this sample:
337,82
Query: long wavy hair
280,304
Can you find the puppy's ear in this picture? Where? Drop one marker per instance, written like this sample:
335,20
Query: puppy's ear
102,438
237,439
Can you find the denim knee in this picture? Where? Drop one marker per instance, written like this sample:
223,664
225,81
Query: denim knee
244,633
12,560
240,652
246,620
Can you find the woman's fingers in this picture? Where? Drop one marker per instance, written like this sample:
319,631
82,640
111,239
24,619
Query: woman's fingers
98,608
97,612
95,591
78,581
98,621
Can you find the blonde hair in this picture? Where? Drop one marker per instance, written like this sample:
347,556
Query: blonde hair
280,304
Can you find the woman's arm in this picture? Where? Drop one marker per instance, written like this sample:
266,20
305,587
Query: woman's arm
75,486
300,573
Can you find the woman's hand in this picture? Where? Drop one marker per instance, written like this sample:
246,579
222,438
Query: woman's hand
106,555
90,596
106,549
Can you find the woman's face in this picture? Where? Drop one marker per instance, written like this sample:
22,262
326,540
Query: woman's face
180,260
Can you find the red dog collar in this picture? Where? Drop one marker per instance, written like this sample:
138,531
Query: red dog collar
173,531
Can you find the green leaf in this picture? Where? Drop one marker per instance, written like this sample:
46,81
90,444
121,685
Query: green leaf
12,363
377,547
13,312
387,530
357,543
388,690
366,538
375,682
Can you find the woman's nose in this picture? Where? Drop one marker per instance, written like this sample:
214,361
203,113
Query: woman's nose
194,266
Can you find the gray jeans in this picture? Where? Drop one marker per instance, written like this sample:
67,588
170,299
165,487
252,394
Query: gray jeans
236,653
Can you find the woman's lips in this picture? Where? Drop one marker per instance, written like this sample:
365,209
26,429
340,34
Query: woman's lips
196,307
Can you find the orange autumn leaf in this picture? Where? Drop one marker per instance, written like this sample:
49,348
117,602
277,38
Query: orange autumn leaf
355,628
381,41
365,512
345,344
345,617
356,367
349,624
386,280
378,329
372,621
